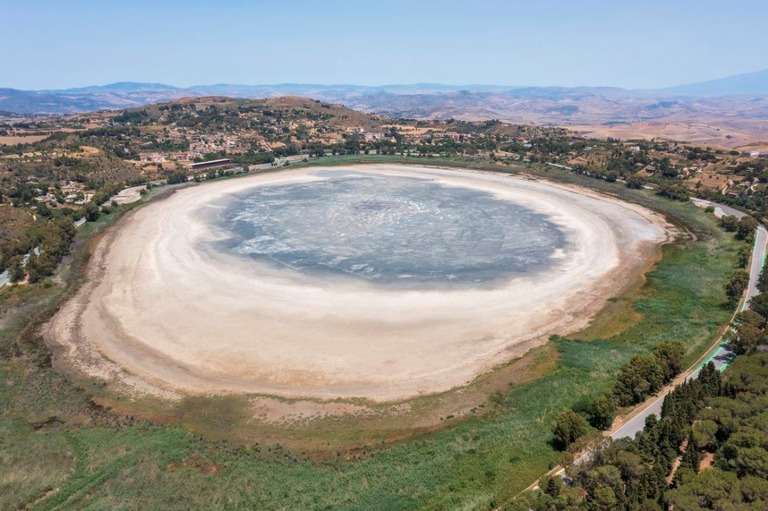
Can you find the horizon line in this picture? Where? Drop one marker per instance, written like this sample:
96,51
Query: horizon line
384,85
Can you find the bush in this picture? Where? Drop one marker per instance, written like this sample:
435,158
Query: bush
634,182
176,178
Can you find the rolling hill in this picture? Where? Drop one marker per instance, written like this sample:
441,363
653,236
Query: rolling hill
728,112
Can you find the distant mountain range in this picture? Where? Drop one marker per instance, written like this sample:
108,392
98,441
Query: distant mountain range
729,112
390,98
744,84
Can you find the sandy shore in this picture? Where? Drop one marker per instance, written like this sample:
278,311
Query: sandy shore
161,316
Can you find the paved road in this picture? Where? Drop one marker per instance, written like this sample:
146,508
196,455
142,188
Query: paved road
758,261
723,355
758,256
720,209
128,195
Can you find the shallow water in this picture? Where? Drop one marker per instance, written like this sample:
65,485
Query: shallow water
389,230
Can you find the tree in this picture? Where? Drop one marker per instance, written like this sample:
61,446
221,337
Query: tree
176,178
604,488
631,466
691,458
710,380
754,490
729,223
747,338
745,228
703,434
568,428
602,499
670,355
634,182
35,275
737,284
92,212
666,168
43,210
16,269
745,460
638,379
759,304
710,489
749,332
603,413
673,192
551,485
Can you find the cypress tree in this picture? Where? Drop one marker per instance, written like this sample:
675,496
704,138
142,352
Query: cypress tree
691,458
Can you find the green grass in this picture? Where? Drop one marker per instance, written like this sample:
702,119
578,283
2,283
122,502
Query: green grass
94,460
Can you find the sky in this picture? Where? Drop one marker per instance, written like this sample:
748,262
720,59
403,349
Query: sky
49,44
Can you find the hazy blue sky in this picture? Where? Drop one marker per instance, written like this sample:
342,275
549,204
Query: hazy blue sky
654,43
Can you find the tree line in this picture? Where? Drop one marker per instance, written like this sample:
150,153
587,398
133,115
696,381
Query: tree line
641,377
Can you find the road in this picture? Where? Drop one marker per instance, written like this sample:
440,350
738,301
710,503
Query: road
722,356
128,195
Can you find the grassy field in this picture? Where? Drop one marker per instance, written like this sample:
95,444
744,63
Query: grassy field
58,450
